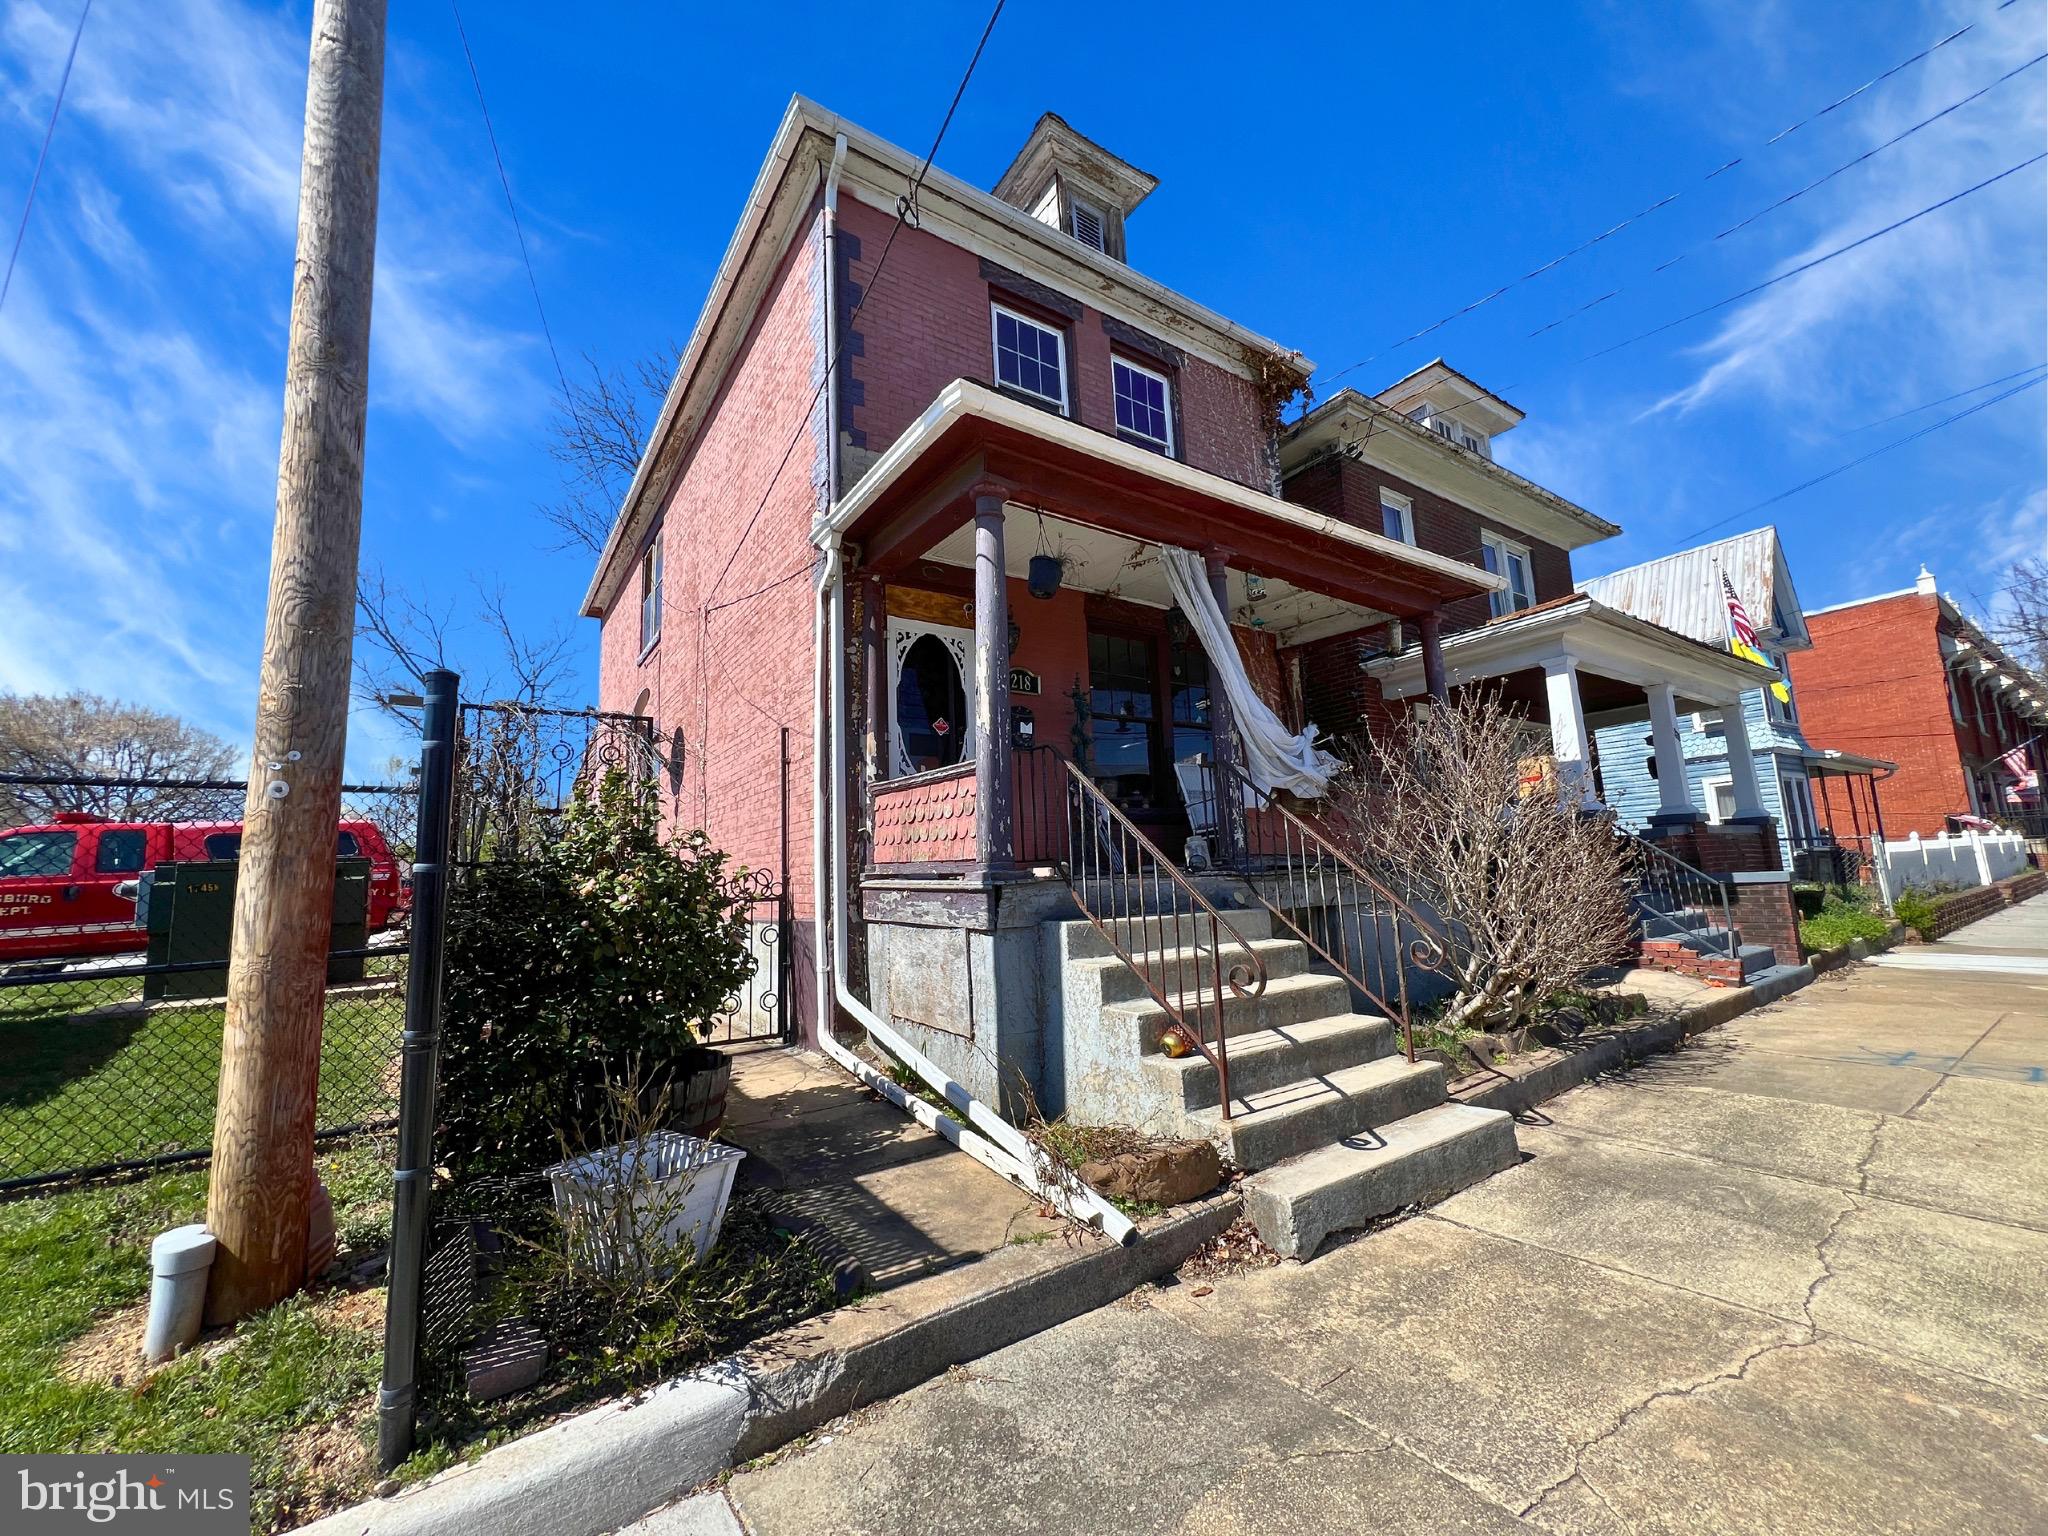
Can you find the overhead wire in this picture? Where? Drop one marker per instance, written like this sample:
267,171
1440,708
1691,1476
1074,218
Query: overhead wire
42,155
1662,202
1928,405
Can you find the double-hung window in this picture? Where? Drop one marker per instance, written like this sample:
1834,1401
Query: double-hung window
1397,517
1030,358
1512,561
1777,710
1144,405
650,594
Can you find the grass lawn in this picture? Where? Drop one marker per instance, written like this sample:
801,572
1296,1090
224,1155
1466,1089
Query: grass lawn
93,1076
294,1388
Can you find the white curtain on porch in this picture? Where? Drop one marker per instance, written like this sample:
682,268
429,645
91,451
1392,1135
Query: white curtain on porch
1274,757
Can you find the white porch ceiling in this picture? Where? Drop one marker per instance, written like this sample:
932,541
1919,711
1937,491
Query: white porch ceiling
1117,565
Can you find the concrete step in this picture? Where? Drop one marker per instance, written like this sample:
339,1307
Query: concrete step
1183,969
1277,1123
1286,1000
1413,1161
1271,1058
1080,939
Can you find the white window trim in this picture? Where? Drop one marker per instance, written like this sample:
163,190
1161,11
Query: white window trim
1059,336
651,574
1402,505
1801,820
1786,713
1503,601
1075,207
1118,360
1708,786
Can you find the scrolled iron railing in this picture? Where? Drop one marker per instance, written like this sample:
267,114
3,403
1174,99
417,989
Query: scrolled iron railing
1345,914
1188,956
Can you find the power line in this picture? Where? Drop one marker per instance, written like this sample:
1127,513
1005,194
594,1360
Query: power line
1928,405
1793,196
43,154
511,207
1807,485
1662,202
1808,266
906,209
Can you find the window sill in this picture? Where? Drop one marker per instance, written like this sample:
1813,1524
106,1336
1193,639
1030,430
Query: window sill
1026,397
647,650
1162,449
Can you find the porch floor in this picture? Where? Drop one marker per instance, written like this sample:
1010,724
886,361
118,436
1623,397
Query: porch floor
871,1184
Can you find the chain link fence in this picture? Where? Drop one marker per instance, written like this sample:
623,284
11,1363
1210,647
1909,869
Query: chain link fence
116,909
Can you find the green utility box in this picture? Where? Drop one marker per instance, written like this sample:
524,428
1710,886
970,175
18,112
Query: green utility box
190,916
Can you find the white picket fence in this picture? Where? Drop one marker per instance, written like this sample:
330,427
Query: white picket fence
1961,860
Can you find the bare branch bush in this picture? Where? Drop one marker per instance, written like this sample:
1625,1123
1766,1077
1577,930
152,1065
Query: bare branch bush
2019,614
1532,890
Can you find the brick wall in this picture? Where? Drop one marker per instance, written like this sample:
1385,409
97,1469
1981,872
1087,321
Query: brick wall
1875,684
1766,914
730,670
927,324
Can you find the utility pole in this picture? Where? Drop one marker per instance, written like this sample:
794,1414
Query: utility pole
260,1199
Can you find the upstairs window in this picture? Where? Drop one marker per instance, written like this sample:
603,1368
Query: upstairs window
1397,517
1780,711
650,594
1087,226
1144,405
1511,561
1030,358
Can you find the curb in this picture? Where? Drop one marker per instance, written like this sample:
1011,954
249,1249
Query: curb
611,1464
1617,1048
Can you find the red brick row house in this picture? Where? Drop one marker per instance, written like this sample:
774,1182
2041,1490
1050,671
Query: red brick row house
1909,676
1013,623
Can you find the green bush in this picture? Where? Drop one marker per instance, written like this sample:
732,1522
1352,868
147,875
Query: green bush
594,963
1915,910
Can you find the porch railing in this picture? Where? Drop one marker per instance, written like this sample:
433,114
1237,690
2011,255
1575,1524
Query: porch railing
1831,859
1328,900
1188,956
1669,891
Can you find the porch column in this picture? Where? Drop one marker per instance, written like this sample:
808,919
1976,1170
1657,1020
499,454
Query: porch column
874,661
1432,626
1749,800
1223,731
1674,798
1568,743
994,821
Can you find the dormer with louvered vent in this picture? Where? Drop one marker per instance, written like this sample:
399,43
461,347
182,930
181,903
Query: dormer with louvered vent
1075,185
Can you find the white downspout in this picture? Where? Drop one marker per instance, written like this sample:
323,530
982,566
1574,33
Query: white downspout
820,796
1000,1145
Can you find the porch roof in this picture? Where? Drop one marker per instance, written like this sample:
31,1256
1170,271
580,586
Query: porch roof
1848,765
917,493
1602,640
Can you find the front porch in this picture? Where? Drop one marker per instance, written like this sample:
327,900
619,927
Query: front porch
1039,730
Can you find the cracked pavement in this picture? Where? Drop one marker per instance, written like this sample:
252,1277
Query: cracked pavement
1791,1278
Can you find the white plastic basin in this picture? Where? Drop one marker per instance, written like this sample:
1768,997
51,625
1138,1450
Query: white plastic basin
643,1203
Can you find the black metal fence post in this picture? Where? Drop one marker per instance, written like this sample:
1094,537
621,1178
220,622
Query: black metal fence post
413,1179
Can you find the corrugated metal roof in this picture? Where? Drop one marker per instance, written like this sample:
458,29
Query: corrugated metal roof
1682,592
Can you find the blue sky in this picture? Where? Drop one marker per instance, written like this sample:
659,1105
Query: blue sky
1335,180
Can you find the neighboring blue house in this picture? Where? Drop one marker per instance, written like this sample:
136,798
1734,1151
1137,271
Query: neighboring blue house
1683,592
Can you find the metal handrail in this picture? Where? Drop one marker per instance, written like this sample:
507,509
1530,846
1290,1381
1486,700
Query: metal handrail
1345,893
1151,895
1665,876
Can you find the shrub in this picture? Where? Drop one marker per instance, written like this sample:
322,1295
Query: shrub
1533,891
1915,910
597,960
1840,919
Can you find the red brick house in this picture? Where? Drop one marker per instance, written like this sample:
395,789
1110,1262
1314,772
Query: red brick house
1000,639
1908,676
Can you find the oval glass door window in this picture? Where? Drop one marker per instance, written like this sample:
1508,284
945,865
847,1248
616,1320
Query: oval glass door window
931,706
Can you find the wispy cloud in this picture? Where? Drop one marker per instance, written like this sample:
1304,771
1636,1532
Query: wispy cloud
141,353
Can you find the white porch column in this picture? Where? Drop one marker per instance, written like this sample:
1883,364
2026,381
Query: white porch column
1568,742
1749,800
1674,799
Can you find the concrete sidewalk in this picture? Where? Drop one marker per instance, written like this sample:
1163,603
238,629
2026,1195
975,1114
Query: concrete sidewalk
1789,1278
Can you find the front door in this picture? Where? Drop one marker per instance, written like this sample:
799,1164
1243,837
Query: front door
931,696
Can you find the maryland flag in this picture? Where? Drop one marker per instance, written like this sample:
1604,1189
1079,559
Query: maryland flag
1742,637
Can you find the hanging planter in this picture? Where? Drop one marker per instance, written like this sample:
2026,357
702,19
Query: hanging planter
1045,575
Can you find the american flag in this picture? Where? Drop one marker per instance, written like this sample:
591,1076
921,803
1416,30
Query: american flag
1738,616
